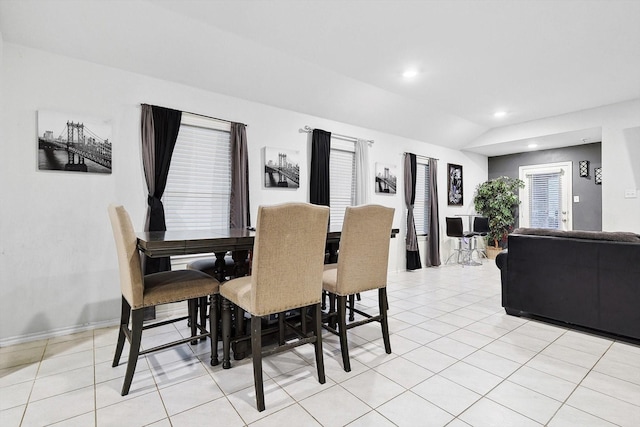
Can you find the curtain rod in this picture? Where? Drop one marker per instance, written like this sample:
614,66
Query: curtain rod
422,157
309,129
208,117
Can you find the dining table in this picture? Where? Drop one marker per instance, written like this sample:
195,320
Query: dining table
238,241
156,244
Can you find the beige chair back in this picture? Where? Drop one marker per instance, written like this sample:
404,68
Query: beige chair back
364,249
288,257
131,278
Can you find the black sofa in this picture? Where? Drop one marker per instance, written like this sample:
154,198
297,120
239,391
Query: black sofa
581,278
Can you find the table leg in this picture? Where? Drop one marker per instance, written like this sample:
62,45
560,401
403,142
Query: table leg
220,265
240,260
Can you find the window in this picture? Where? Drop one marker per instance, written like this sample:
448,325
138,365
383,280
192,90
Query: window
198,191
421,206
544,200
342,165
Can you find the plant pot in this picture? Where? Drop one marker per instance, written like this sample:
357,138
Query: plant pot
492,252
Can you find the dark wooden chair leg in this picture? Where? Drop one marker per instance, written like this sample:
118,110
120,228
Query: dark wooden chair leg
213,329
303,320
124,323
226,333
193,316
382,303
342,330
241,348
136,338
256,349
203,303
281,328
317,330
332,309
352,302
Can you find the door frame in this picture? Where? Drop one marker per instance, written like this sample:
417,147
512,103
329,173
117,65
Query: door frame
566,169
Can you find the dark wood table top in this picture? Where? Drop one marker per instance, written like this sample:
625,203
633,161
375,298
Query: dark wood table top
186,242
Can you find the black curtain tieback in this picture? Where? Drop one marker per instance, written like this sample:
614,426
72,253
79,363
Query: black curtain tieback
152,200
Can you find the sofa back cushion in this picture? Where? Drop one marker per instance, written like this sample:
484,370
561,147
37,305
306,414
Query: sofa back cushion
612,236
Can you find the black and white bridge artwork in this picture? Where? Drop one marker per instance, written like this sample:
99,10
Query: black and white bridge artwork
77,147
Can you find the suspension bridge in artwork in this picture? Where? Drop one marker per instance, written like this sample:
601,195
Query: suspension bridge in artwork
80,143
386,182
283,172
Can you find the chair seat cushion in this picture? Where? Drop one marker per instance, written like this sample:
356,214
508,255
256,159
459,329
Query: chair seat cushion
330,278
172,286
238,291
330,266
330,282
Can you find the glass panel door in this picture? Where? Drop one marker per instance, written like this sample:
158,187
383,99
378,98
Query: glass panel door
546,197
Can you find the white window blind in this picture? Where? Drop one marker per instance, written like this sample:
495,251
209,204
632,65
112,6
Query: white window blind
197,195
545,200
342,184
421,206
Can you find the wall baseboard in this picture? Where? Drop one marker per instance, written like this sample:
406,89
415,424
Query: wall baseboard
162,312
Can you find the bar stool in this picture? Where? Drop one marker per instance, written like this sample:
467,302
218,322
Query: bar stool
480,230
464,239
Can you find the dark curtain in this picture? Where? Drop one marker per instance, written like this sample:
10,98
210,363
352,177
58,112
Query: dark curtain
160,128
239,213
413,254
433,239
320,150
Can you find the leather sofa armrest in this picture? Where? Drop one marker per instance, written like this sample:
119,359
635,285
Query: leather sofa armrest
501,262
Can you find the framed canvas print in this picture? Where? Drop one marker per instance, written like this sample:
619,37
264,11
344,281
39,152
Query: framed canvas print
73,142
386,176
454,185
281,168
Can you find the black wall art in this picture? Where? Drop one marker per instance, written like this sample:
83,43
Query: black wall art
454,185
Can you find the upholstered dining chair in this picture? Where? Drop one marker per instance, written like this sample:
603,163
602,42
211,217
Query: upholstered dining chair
139,292
362,266
286,274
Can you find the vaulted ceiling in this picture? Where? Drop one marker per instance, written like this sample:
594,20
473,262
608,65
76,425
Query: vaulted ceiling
344,60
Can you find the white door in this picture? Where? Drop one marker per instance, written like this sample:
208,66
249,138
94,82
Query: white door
546,196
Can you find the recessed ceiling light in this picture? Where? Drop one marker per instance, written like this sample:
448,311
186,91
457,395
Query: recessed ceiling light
410,73
499,114
532,145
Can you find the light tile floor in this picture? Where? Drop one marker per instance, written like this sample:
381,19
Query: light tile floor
457,360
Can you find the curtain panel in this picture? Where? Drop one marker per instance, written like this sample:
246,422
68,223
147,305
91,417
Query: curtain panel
412,252
433,239
319,182
159,129
239,215
362,172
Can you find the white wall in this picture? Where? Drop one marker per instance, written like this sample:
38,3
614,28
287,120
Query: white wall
58,269
620,154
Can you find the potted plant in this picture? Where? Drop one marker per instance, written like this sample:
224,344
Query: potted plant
497,200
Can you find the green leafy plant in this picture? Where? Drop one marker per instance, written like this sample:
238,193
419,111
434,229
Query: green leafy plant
497,200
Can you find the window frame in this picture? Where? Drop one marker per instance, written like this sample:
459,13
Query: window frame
343,149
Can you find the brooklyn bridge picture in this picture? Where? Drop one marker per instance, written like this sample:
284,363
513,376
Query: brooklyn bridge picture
72,143
281,168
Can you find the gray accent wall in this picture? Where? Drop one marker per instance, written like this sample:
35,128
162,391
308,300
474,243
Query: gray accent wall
587,214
